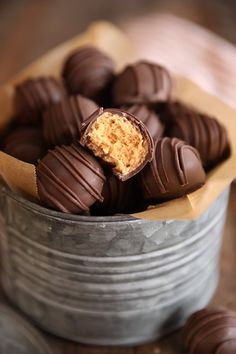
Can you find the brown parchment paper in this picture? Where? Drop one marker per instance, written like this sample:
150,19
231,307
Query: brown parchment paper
20,176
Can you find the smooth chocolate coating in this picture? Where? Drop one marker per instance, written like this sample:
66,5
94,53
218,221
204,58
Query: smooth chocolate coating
69,179
211,331
140,127
206,134
175,170
25,143
88,71
142,83
149,118
33,96
119,197
64,121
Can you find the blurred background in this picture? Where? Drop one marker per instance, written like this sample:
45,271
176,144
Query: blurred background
28,28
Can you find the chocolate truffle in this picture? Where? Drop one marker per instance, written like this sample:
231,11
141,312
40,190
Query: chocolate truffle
33,96
69,179
119,197
25,143
142,82
206,134
149,118
211,331
88,71
120,140
64,121
169,111
175,170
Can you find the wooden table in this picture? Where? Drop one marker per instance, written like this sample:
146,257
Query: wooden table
28,28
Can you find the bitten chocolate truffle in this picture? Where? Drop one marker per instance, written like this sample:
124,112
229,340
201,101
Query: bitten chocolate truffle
26,144
211,331
64,121
175,170
206,134
149,118
119,197
33,96
142,83
69,179
88,71
120,140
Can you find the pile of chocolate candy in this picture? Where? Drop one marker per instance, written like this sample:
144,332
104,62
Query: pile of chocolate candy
108,143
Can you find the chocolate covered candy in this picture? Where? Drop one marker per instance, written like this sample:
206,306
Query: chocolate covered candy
25,143
211,331
175,170
149,118
88,71
33,96
119,139
169,111
206,134
69,179
118,196
64,121
142,83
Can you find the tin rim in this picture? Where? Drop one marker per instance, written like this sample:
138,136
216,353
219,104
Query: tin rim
122,218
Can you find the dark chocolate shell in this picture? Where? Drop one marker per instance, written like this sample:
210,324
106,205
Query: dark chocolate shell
175,171
142,83
25,143
204,133
88,71
125,148
211,331
69,179
33,96
118,197
149,118
64,121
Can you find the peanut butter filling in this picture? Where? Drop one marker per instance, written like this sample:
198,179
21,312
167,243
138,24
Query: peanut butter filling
118,142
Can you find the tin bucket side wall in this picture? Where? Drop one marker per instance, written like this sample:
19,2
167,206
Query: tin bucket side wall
137,297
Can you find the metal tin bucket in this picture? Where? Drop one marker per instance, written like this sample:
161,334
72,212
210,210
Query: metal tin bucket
108,280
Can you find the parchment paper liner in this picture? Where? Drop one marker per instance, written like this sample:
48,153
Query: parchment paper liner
20,176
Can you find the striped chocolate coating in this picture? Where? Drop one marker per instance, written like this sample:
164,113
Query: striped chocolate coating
119,197
211,331
64,121
205,133
168,111
69,179
149,118
25,143
142,83
88,71
33,96
175,170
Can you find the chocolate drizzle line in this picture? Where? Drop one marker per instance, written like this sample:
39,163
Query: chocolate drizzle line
169,175
142,82
210,329
64,121
206,134
70,159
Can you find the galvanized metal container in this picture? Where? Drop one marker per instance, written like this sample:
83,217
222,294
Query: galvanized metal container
108,280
